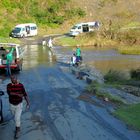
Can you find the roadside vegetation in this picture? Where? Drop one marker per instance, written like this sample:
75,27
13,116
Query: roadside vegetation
94,89
130,114
10,40
134,49
120,78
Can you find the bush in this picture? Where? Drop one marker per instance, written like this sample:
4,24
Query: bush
75,12
135,74
93,87
114,76
128,36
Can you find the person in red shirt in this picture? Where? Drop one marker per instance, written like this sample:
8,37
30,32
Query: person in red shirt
16,92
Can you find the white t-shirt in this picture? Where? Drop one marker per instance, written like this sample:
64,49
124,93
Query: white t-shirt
74,59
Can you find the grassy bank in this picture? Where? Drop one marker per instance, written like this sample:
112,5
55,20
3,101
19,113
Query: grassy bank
86,41
134,49
10,40
95,89
130,115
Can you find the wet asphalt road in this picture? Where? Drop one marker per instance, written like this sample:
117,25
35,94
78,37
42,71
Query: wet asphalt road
56,113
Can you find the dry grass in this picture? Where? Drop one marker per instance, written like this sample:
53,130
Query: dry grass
128,11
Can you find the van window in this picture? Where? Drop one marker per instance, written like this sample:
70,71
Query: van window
33,28
23,29
74,27
17,30
79,27
91,26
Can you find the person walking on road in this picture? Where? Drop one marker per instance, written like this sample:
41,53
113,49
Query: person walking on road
16,92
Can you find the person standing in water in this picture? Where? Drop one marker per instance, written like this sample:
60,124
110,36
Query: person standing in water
50,44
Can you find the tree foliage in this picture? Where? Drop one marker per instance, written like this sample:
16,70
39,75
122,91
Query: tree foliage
40,11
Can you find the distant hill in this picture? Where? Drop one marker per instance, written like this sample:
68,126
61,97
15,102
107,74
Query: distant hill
110,9
57,16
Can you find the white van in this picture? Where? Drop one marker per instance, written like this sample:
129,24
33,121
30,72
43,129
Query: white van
24,30
83,27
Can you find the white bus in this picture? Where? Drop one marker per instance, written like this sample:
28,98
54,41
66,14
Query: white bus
24,30
83,27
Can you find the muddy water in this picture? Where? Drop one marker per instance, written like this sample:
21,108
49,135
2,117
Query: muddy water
102,60
37,55
111,59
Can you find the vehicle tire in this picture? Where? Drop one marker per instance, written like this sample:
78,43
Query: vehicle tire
23,36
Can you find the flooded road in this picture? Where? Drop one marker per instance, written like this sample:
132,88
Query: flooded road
104,60
56,112
37,55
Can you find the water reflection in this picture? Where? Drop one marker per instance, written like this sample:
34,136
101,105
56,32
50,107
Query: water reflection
50,54
37,55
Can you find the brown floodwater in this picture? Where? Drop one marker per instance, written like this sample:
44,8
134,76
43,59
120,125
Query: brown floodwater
111,59
102,60
36,55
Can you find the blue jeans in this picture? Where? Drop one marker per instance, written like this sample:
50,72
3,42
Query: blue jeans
78,58
8,70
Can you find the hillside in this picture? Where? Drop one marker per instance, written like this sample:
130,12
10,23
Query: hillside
110,9
57,16
50,13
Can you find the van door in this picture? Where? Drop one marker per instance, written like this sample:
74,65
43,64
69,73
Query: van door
85,28
27,30
33,30
79,29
